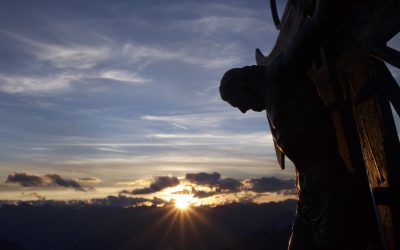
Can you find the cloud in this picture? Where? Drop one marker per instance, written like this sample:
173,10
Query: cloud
89,179
63,56
229,185
220,185
291,191
203,178
188,121
111,201
123,201
124,76
201,193
183,191
48,180
203,185
20,84
36,195
203,120
158,184
62,82
141,52
269,184
57,66
73,56
213,180
223,137
215,25
27,180
215,57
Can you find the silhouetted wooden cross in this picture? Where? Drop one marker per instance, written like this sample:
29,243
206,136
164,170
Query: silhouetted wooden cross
354,82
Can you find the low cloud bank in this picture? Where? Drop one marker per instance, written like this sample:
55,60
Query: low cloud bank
158,184
47,180
269,184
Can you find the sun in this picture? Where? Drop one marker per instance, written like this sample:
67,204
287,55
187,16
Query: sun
182,202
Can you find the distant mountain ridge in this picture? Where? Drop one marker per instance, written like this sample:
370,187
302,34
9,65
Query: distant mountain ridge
224,227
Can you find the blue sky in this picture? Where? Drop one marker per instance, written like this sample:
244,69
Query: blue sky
123,90
128,90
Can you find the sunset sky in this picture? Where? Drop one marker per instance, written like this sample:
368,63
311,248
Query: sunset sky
120,98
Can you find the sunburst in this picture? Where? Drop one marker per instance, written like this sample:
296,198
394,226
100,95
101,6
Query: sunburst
183,202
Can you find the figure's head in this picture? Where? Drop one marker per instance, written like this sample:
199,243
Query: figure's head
242,88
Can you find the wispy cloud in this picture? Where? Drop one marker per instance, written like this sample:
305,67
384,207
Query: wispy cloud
73,56
219,138
114,149
124,76
70,62
129,91
62,82
214,57
141,52
196,120
89,180
215,25
17,84
185,121
63,56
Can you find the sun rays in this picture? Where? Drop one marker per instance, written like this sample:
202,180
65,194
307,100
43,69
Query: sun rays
181,221
187,212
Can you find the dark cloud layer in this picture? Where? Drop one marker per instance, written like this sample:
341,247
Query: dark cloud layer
120,201
202,194
158,184
26,180
220,185
229,184
48,180
213,180
123,201
203,178
269,184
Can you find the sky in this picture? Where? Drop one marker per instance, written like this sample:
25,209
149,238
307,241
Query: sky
120,98
113,95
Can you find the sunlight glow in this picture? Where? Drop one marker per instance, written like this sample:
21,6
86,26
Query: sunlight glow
182,202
